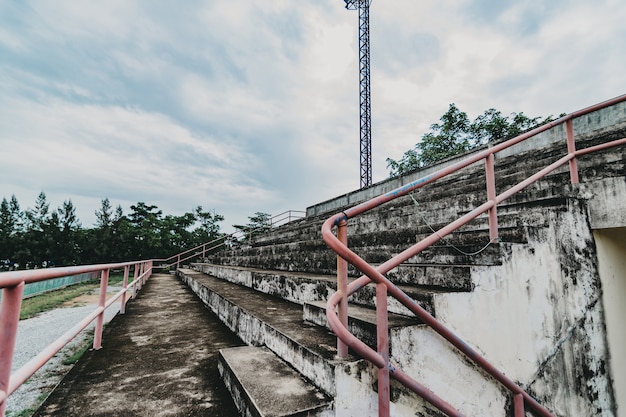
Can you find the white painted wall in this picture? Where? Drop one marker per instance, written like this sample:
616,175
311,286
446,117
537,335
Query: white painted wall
611,246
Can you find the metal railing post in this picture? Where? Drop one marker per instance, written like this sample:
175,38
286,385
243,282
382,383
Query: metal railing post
571,149
9,318
382,335
140,281
135,275
144,273
125,288
518,405
104,282
342,286
491,196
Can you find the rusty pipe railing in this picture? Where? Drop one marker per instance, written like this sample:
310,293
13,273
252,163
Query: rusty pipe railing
337,304
12,285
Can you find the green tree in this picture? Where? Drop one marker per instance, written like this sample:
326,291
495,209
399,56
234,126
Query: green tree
38,222
8,231
257,224
36,218
68,250
175,236
145,221
41,234
102,244
456,134
123,236
208,228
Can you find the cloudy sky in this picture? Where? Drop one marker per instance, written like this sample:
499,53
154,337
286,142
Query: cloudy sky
245,106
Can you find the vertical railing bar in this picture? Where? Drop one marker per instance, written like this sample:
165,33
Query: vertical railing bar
342,287
491,196
518,405
140,281
104,282
135,275
382,336
124,288
9,318
571,149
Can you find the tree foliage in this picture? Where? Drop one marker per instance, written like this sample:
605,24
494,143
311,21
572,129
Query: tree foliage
455,134
42,236
257,224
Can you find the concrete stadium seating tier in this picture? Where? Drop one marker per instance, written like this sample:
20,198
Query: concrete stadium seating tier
530,302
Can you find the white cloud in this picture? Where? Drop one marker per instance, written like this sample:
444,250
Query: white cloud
242,106
120,153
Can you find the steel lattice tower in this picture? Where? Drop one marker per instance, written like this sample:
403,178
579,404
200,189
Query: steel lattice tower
365,100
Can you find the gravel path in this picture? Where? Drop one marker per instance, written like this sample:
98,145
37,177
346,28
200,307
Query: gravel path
33,336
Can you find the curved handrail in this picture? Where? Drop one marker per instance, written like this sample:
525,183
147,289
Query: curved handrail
338,322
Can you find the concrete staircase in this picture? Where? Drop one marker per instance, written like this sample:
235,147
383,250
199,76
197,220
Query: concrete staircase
272,291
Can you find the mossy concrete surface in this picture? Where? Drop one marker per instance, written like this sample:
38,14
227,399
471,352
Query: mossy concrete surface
159,359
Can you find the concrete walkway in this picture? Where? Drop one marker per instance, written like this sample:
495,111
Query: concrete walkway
159,359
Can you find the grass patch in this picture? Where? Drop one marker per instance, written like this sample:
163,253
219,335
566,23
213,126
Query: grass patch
28,412
74,357
38,304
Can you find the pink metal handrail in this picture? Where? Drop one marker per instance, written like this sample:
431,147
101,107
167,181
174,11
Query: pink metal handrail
336,308
12,285
286,217
195,251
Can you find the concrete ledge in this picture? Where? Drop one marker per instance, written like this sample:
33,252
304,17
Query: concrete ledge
262,385
361,321
271,322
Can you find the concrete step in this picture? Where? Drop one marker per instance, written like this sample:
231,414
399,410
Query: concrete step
441,254
361,321
378,245
451,278
300,287
263,320
262,385
305,229
313,256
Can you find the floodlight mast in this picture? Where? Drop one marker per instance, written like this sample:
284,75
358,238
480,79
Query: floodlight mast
363,6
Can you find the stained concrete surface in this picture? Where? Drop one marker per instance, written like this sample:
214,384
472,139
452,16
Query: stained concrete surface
159,359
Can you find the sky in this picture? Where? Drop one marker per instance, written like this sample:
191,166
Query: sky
244,106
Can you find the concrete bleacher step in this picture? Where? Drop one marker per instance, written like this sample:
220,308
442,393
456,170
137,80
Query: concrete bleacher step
262,385
263,320
301,287
361,321
451,278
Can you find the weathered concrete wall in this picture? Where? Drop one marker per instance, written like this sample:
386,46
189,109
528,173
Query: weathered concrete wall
539,317
611,244
607,202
